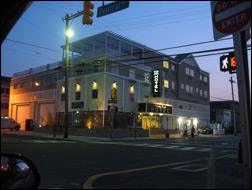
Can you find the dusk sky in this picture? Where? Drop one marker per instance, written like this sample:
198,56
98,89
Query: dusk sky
156,24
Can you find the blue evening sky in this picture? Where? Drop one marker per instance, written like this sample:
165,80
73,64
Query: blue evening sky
157,24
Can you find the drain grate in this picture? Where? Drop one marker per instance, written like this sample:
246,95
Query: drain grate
191,168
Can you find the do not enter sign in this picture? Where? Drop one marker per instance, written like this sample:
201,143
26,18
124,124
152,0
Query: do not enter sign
229,17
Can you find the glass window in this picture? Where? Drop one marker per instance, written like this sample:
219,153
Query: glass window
114,68
192,89
63,97
2,90
46,80
29,83
205,94
7,91
77,95
131,97
197,90
187,88
173,67
95,93
200,77
55,78
99,44
173,85
22,85
137,52
205,79
95,68
166,83
15,86
125,48
166,64
78,72
187,70
182,86
87,45
6,106
192,72
132,73
113,44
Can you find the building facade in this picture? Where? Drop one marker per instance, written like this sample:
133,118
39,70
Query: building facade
5,95
150,90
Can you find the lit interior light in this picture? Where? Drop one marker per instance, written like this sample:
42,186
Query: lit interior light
63,89
179,120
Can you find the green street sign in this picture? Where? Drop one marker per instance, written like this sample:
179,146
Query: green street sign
112,7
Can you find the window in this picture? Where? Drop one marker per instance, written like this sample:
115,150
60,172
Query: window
131,97
187,71
166,83
137,52
99,44
205,94
22,85
205,79
2,90
173,67
187,88
132,73
95,93
200,92
192,73
147,77
173,85
78,72
77,95
29,84
182,86
46,80
200,77
55,78
166,64
114,68
197,90
125,48
112,44
7,91
95,68
192,89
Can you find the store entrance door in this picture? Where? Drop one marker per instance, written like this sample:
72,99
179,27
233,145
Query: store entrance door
149,122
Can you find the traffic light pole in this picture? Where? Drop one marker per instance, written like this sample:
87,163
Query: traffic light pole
240,46
233,104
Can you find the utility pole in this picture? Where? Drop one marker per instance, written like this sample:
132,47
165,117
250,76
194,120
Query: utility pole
67,18
234,120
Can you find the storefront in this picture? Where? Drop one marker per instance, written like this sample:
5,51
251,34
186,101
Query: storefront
151,116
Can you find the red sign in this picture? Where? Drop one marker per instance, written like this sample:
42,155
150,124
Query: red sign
230,16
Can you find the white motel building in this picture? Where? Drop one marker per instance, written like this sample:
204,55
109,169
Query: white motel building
150,90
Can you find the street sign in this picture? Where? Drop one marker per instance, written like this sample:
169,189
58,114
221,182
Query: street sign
112,101
229,17
112,7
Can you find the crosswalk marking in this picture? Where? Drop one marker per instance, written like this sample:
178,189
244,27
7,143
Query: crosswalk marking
165,146
51,141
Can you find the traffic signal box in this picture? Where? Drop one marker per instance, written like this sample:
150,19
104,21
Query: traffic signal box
228,63
87,13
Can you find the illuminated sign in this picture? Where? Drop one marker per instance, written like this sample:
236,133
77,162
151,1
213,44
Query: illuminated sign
154,108
228,63
156,83
77,104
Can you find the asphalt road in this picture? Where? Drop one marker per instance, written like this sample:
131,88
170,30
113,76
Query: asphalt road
168,164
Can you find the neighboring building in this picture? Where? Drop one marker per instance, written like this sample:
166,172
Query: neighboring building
222,112
5,95
106,65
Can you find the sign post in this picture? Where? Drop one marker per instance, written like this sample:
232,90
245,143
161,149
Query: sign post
234,17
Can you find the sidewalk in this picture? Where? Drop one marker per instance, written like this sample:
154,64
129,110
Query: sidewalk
100,139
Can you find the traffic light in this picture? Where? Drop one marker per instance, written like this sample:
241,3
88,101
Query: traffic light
232,66
87,13
114,93
228,63
115,109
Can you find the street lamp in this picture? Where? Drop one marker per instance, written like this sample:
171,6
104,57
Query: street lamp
68,34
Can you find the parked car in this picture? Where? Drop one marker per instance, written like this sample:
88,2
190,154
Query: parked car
205,130
9,123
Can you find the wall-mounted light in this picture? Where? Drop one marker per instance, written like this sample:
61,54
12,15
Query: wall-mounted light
151,114
132,89
36,83
77,87
94,84
114,84
63,89
179,120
